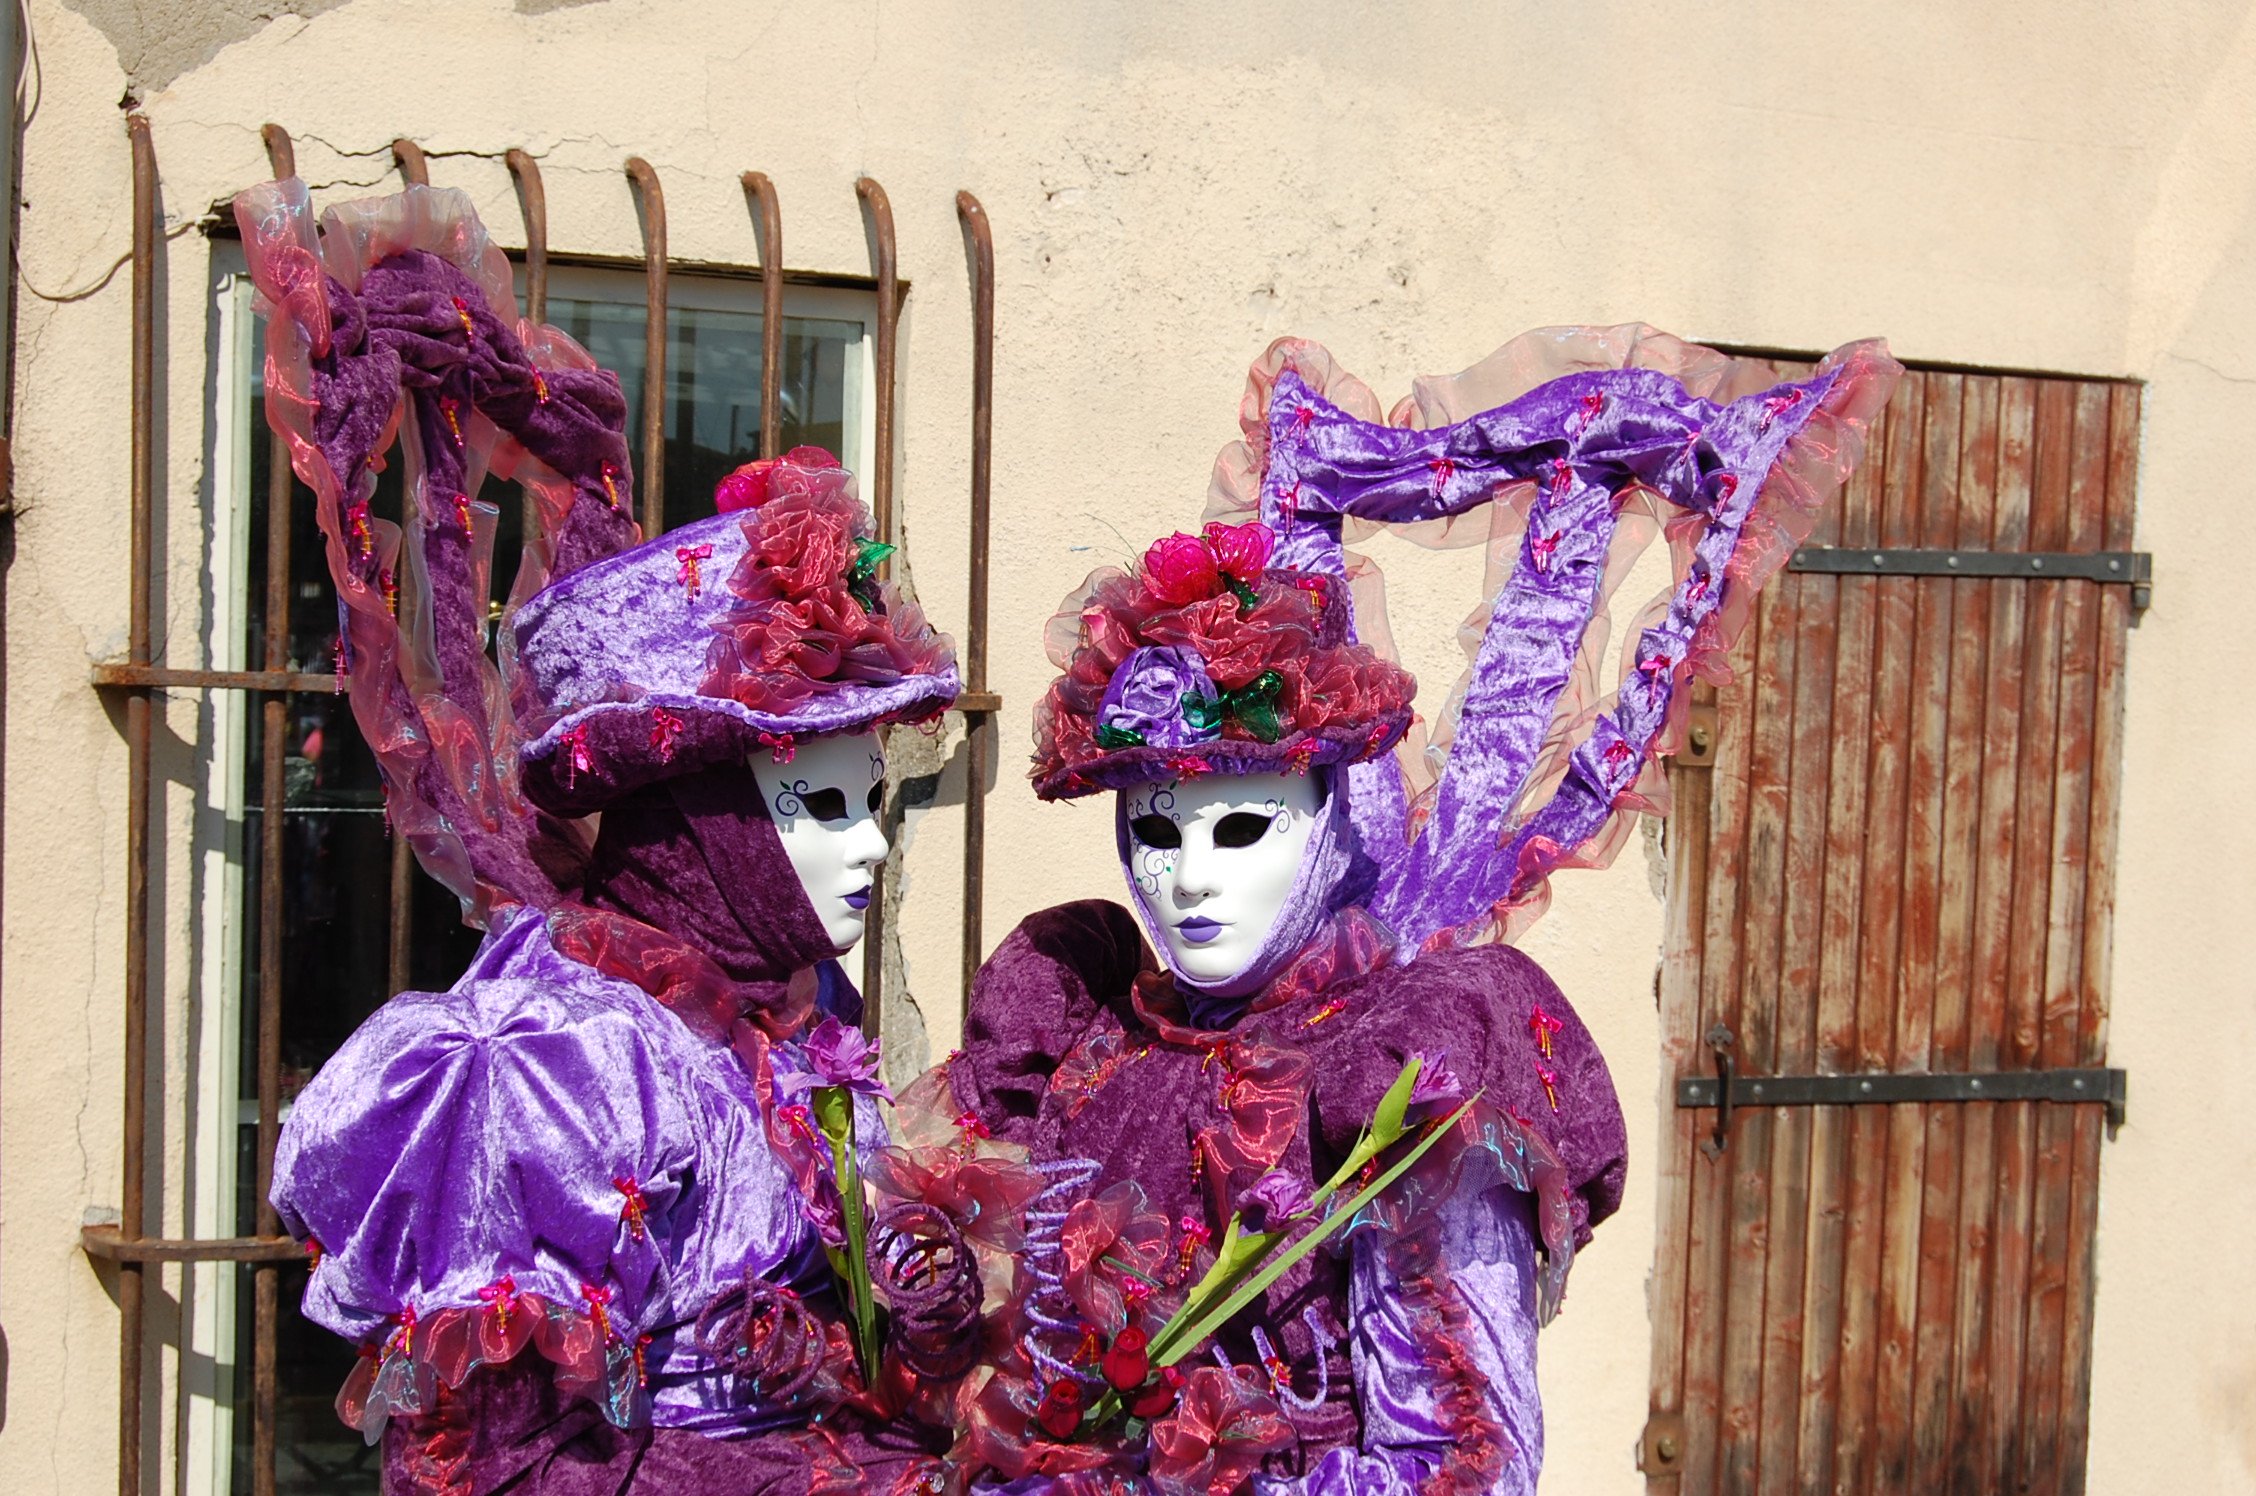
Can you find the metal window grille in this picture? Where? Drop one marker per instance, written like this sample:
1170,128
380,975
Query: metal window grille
266,1250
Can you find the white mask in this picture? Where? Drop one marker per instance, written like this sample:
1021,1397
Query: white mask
825,803
1214,859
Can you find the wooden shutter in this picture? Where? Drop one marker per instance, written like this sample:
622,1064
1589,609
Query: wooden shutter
1902,861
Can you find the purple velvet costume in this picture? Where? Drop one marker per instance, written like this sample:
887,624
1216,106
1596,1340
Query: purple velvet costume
1360,1377
545,1201
1383,947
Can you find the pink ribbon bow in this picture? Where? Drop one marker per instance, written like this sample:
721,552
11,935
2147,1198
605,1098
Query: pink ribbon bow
498,1295
665,727
578,760
1541,549
692,579
780,746
1543,1026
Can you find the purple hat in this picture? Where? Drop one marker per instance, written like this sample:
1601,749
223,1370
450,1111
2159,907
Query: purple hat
1207,659
735,635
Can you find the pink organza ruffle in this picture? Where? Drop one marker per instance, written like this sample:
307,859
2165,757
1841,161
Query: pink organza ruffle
798,626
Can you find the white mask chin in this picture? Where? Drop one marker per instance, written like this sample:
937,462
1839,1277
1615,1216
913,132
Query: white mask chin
825,803
1214,860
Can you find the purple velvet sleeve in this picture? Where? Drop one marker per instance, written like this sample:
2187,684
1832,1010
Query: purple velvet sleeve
1487,1256
463,1136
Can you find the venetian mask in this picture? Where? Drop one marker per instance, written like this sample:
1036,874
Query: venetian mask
1214,860
825,801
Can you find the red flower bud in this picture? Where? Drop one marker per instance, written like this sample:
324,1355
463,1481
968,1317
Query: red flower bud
1159,1396
1125,1363
1060,1414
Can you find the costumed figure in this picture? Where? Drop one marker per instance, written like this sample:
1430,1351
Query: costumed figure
582,1211
1331,900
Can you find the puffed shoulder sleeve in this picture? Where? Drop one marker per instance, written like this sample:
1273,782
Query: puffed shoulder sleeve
1503,1028
1034,998
511,1137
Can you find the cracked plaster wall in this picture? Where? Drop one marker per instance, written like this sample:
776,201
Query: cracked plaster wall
1172,186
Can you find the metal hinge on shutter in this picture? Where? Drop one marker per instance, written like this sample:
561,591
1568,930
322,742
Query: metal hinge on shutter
2132,569
1728,1091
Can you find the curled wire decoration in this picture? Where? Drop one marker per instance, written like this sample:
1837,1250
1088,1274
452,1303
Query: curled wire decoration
1049,1308
919,1261
765,1335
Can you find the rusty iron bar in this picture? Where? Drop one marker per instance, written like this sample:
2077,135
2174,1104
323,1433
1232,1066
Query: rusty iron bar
767,213
417,170
131,1283
111,1244
979,726
885,263
131,677
653,345
532,200
403,916
266,1284
411,161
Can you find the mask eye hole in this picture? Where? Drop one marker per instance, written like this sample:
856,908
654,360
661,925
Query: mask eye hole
876,798
1156,831
825,805
1241,829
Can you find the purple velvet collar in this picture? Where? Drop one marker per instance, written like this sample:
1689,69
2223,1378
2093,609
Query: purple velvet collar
698,857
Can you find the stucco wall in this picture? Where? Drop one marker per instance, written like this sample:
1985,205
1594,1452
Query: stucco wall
1172,186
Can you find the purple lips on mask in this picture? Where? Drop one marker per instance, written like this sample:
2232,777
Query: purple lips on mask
1198,929
859,899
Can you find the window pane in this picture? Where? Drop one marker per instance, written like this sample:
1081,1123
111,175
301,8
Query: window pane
713,387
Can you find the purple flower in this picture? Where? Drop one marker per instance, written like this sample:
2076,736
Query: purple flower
1435,1082
1275,1198
1145,696
835,1054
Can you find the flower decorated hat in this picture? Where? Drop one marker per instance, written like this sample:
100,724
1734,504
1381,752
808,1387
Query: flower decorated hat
736,635
1208,659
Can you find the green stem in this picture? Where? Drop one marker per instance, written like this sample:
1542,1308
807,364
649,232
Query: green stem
1276,1267
834,1111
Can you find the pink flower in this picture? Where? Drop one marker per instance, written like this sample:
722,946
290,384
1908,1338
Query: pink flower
753,484
1180,569
806,546
1241,551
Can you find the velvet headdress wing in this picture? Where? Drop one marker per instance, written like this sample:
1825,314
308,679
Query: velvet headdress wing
397,315
1565,453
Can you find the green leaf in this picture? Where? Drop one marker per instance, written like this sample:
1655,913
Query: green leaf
1110,738
1276,1267
1386,1122
834,1111
1239,1255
